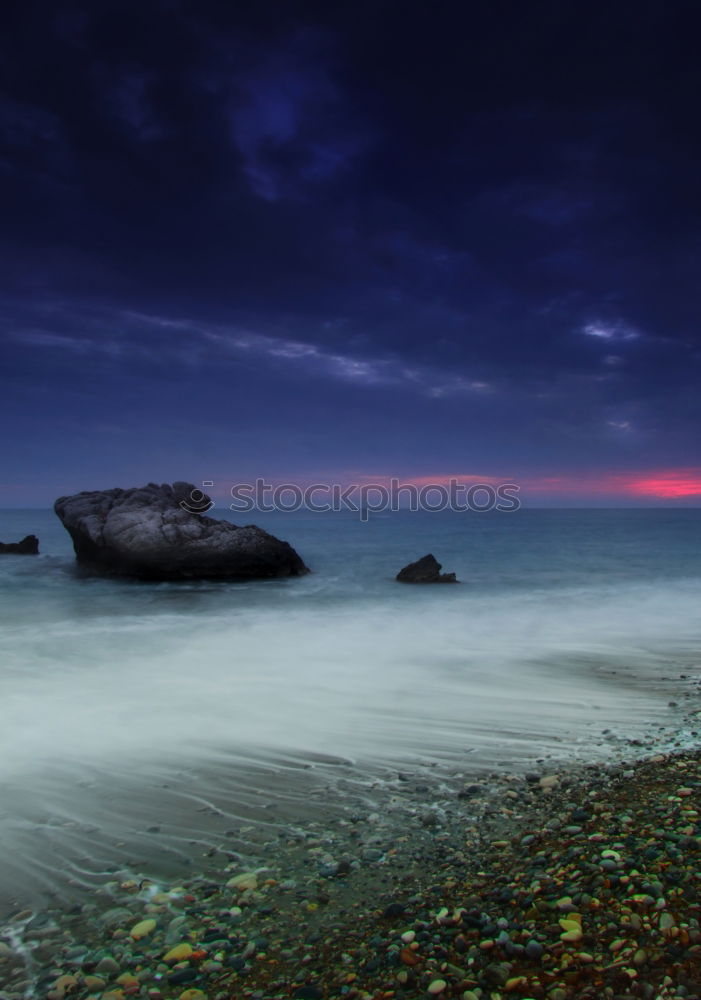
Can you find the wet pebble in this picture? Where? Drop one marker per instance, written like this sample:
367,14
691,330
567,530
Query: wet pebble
534,949
436,987
107,966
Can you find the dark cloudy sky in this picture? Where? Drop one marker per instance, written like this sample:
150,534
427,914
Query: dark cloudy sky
336,241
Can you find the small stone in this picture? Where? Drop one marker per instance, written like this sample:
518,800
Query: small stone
193,995
437,987
116,916
534,949
183,976
461,944
179,953
246,880
372,854
94,983
127,979
574,934
63,985
142,929
549,782
107,966
497,973
469,790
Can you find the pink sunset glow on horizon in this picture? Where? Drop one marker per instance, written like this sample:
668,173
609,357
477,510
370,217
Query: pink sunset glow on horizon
669,484
665,484
652,484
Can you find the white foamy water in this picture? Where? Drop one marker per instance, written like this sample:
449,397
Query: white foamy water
358,680
566,624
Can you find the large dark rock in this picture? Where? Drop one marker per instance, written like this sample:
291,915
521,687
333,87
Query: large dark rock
425,570
29,546
155,533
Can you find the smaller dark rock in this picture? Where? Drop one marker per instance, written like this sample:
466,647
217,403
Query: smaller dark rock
338,869
393,910
497,974
237,963
534,949
29,546
308,993
461,944
425,570
469,791
183,976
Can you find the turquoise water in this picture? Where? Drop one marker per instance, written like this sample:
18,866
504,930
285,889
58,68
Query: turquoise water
346,660
566,623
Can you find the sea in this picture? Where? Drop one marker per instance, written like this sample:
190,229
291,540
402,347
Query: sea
133,713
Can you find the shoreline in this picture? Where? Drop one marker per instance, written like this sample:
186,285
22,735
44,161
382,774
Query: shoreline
352,905
175,818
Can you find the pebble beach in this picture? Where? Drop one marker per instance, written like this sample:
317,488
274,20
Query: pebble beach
573,881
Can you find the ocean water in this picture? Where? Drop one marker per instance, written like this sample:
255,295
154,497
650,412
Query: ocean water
121,702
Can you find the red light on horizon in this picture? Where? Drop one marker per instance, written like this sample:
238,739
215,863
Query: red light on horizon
668,485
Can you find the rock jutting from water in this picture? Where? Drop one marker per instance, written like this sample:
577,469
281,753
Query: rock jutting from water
425,570
29,546
158,533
